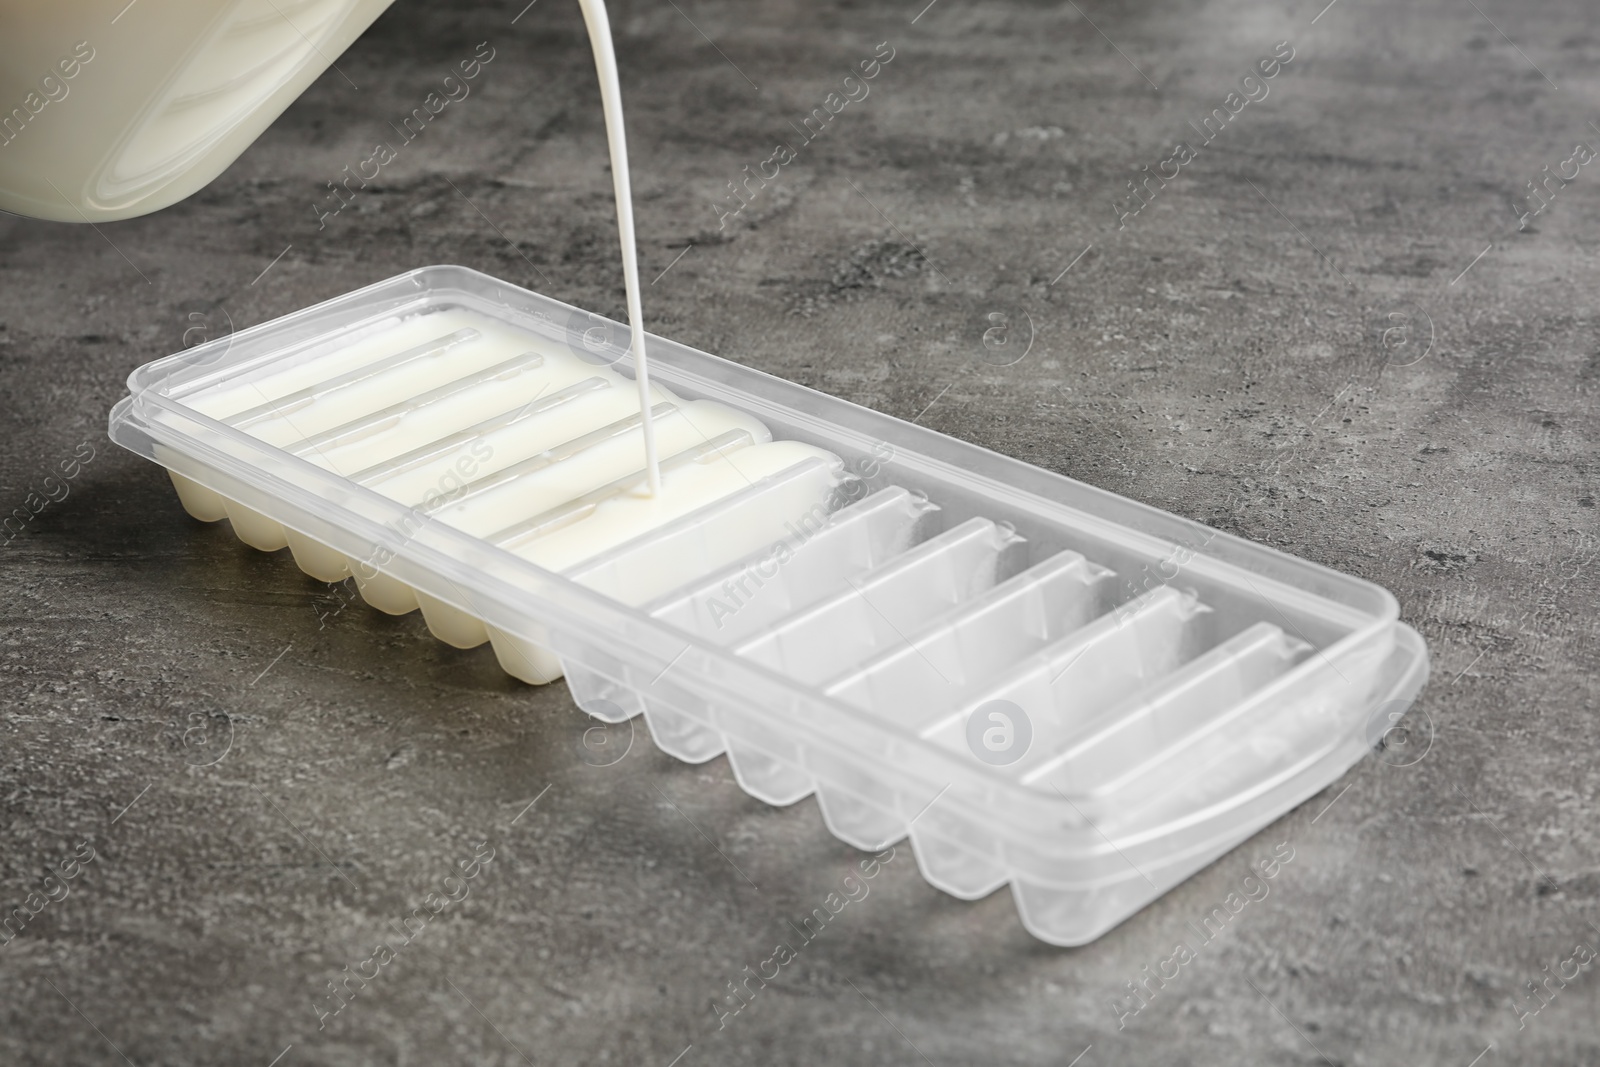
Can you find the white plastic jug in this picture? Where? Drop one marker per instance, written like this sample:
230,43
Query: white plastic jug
108,114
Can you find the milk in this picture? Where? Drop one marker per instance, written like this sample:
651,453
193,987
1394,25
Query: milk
605,61
500,432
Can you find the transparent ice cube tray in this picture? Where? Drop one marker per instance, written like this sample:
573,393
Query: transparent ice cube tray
836,599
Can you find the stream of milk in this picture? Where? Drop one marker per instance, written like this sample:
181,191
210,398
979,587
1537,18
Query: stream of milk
605,61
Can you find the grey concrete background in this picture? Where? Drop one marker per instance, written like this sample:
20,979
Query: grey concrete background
1221,357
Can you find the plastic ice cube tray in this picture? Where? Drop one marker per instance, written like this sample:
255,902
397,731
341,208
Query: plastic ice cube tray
1039,682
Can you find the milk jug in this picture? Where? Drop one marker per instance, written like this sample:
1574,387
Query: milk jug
107,112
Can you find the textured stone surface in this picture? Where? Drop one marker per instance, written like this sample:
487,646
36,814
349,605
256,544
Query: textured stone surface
1219,357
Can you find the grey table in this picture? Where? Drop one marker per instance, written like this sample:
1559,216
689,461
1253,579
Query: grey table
1330,332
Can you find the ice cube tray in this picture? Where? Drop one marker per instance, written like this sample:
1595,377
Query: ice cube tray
840,601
